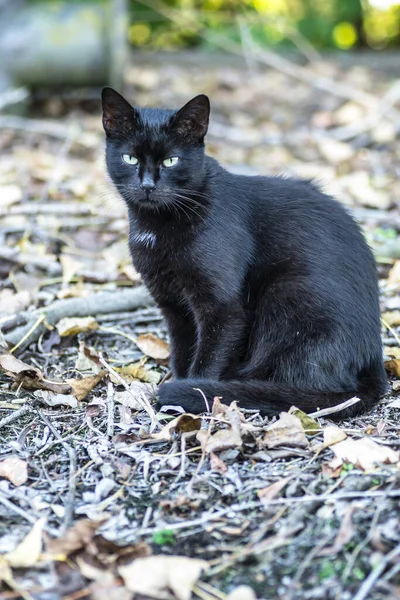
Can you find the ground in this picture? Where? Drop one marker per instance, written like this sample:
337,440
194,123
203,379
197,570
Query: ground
293,510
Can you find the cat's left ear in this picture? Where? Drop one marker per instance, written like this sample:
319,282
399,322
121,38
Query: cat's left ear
191,120
119,116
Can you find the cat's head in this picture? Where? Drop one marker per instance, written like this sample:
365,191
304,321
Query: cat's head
155,157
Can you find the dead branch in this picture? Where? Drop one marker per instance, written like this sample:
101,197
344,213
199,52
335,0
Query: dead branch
101,303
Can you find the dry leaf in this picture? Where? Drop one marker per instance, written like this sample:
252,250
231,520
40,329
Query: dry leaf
136,371
137,390
186,423
6,573
28,377
88,360
10,194
393,367
11,303
242,592
75,325
344,534
51,399
309,424
77,537
287,431
392,317
152,346
221,440
70,266
365,453
333,468
15,470
28,551
394,273
217,464
157,576
333,435
82,387
392,351
272,491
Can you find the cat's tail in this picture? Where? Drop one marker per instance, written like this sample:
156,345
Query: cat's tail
269,398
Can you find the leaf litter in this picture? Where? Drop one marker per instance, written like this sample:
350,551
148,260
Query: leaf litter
97,491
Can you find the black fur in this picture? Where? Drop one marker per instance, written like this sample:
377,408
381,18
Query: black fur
267,285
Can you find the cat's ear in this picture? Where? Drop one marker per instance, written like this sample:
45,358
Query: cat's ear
119,117
191,120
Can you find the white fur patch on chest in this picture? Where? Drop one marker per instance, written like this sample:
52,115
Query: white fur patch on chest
147,238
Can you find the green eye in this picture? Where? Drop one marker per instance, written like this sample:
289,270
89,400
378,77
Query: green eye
129,159
170,162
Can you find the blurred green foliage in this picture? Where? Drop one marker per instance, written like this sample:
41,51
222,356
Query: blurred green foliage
342,24
304,24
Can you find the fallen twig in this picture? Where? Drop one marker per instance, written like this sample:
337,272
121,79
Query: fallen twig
15,415
334,409
100,303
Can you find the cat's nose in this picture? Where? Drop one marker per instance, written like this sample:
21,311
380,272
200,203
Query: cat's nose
147,184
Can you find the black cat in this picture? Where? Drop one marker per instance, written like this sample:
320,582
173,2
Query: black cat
267,285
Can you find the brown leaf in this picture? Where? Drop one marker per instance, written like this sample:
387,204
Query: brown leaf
77,537
333,468
217,464
185,423
157,576
152,346
15,470
393,367
28,377
272,491
287,431
82,387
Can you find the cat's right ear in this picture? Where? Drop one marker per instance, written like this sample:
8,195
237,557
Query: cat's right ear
119,117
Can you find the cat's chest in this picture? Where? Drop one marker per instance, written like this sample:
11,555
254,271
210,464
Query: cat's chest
158,258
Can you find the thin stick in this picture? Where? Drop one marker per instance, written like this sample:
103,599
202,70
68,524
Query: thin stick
16,415
334,409
110,410
70,500
376,572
